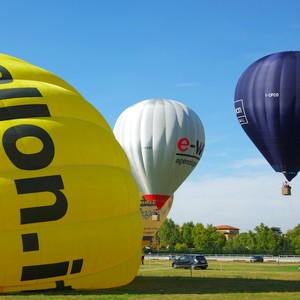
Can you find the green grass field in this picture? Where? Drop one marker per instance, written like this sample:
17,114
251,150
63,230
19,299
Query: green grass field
222,280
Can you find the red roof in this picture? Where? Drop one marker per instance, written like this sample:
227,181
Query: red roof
226,227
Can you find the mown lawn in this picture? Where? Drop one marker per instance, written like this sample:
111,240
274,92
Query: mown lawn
222,280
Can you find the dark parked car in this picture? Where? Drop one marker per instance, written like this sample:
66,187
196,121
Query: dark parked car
256,258
194,261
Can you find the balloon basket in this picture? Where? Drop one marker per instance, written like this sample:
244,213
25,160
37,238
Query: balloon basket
286,190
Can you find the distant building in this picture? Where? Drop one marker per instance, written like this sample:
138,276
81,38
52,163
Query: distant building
228,231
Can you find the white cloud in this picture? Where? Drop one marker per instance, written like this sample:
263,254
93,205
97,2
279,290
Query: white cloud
239,201
250,162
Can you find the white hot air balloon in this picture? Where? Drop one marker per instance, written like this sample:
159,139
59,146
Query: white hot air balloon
164,141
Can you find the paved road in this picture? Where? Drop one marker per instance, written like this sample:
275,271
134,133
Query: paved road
281,258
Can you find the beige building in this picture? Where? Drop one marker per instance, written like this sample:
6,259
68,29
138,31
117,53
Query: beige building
228,231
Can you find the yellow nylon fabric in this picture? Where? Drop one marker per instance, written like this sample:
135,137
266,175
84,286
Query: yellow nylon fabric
69,206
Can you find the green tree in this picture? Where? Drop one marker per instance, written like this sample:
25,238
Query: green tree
169,234
198,235
208,240
276,230
237,244
261,238
293,237
181,247
251,242
266,240
269,240
186,233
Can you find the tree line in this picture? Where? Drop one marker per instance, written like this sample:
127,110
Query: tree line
192,237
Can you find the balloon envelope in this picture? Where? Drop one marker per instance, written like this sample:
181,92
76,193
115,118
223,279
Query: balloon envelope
267,104
67,196
164,141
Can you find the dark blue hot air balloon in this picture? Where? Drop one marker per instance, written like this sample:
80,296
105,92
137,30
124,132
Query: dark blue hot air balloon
267,104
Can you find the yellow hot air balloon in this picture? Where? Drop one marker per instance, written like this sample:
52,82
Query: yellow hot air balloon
153,217
69,213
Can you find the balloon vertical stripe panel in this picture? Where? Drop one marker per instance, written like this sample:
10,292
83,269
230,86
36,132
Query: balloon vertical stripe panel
67,196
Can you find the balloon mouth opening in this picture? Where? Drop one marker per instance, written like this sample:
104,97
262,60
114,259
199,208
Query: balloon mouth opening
159,200
289,175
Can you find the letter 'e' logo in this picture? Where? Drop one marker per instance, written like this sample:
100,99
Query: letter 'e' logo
183,144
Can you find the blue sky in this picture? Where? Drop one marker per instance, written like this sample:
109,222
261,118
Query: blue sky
119,52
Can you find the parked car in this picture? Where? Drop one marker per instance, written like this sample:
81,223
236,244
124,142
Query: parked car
257,258
171,257
194,261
